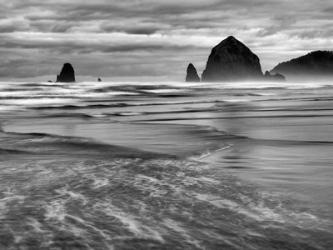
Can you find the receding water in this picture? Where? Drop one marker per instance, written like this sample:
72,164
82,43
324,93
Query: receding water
161,166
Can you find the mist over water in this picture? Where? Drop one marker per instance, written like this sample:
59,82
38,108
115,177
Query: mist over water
126,165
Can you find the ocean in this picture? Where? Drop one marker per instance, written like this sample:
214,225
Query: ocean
172,165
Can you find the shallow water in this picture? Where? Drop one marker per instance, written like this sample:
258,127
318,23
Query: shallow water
160,166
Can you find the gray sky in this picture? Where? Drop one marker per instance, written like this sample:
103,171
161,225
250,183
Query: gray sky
151,39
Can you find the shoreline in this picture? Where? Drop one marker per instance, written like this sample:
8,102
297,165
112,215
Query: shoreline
96,131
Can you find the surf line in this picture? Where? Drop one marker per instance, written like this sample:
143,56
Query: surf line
208,153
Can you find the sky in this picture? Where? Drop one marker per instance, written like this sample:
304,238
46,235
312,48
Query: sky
134,40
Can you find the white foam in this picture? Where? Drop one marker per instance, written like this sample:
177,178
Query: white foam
73,195
10,196
100,182
79,231
175,226
35,224
209,180
251,210
55,210
151,185
133,225
217,201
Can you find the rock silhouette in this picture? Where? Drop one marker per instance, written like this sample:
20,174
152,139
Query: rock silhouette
318,63
99,79
67,74
232,60
192,74
274,77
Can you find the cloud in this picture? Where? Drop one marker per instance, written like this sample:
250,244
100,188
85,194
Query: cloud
152,38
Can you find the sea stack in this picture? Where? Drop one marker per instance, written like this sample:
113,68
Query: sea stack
231,60
274,77
315,64
67,74
192,74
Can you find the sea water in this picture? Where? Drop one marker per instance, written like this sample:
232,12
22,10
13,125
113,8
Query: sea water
124,165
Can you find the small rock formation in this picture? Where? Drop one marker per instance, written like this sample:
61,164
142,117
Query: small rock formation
232,60
49,81
99,79
67,74
274,77
316,63
192,74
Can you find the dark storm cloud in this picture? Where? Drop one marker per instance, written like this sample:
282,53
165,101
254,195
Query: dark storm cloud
153,38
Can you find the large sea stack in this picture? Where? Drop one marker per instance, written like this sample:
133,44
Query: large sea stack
67,74
316,64
192,74
231,60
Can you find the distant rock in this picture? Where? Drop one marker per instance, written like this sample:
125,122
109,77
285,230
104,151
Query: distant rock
67,74
232,60
49,81
274,77
316,63
192,74
99,79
